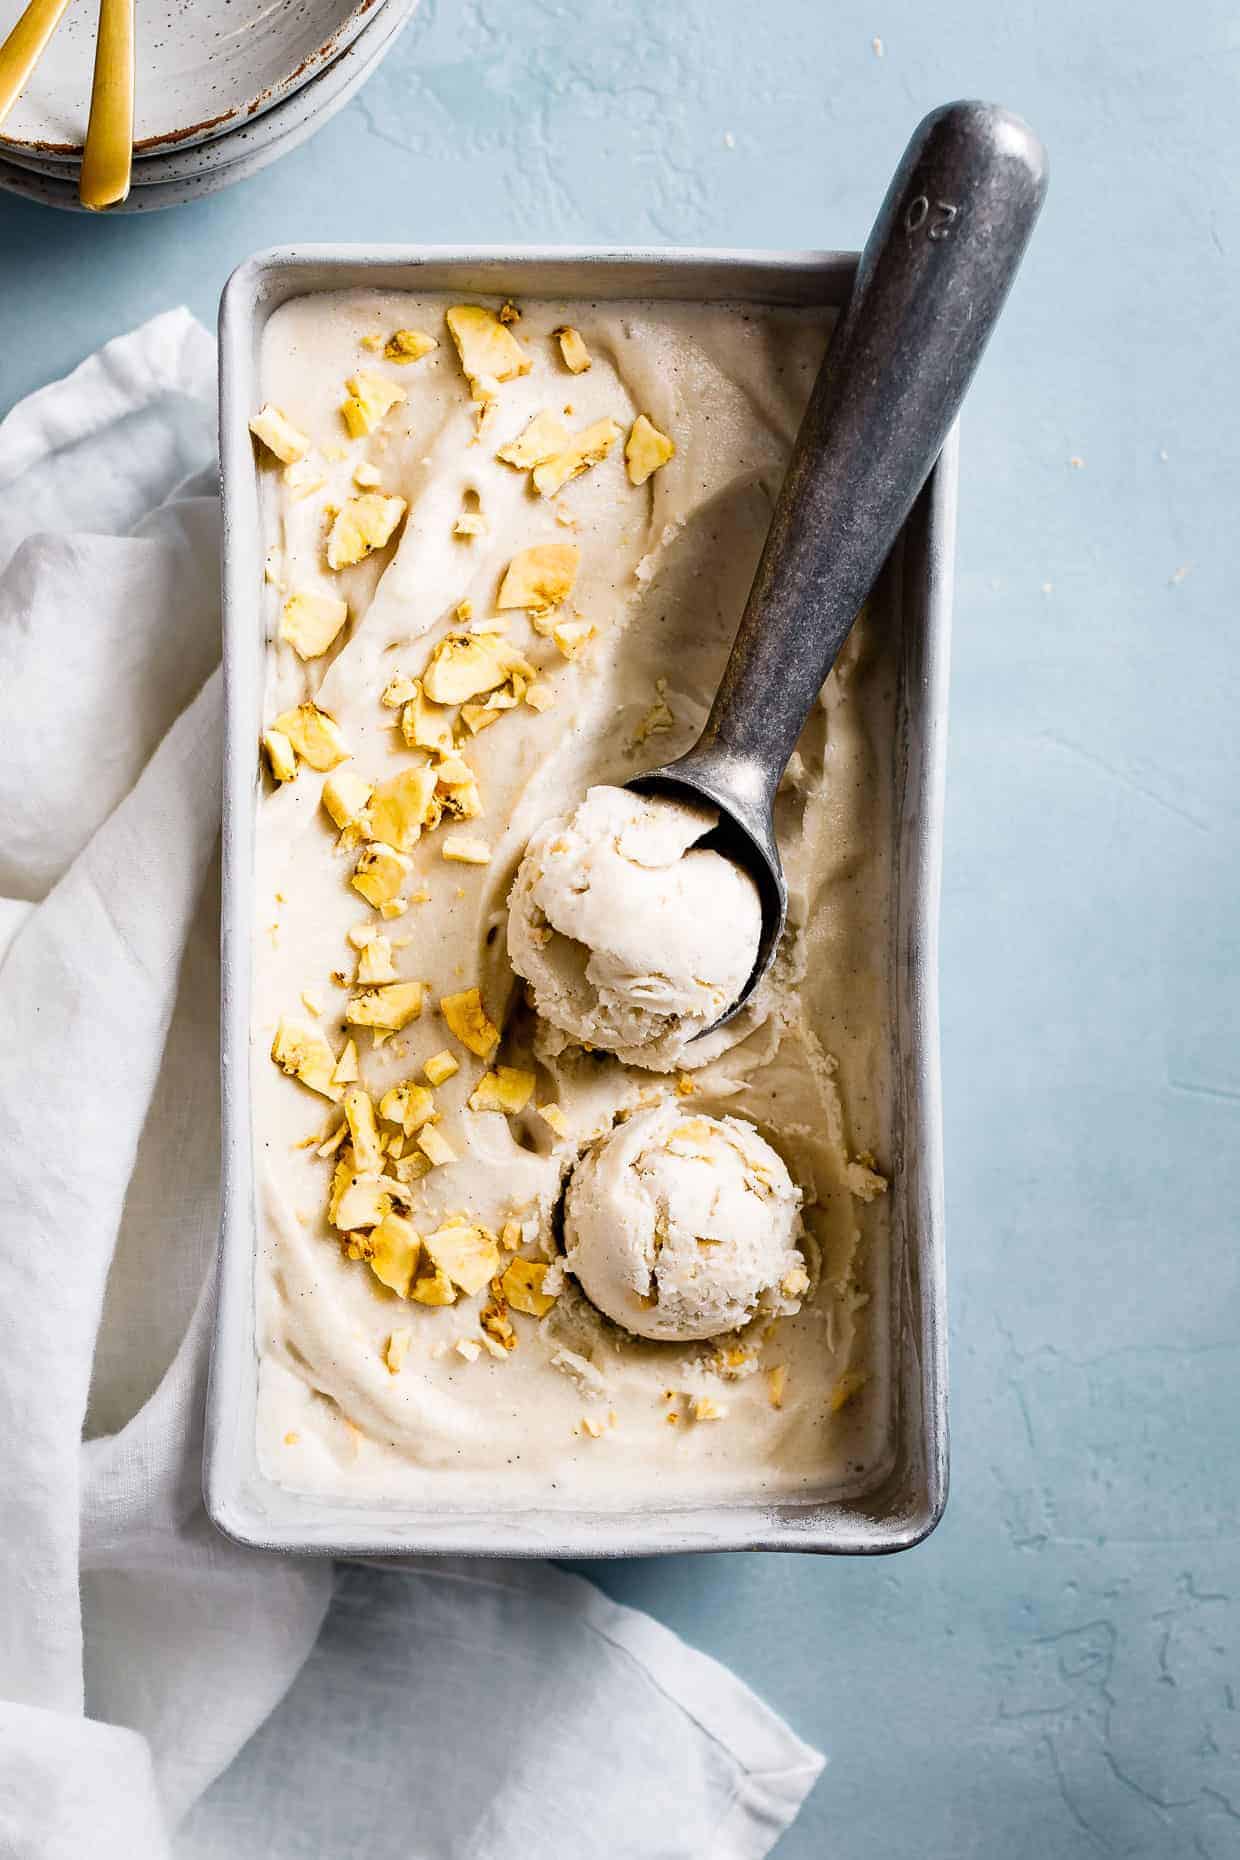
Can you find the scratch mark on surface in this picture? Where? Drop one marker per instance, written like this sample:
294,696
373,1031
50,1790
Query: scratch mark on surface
1225,1802
1023,1405
1126,779
1165,1675
1051,1352
1192,1089
1188,1586
1145,1795
1131,1541
1087,1829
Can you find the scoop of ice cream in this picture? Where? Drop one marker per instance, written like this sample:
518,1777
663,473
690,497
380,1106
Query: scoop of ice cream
681,1227
631,936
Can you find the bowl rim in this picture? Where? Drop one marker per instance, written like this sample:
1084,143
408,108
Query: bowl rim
355,15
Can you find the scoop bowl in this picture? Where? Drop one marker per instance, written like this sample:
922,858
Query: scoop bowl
745,833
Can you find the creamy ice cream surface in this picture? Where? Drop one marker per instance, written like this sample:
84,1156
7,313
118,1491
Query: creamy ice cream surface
632,937
508,548
680,1227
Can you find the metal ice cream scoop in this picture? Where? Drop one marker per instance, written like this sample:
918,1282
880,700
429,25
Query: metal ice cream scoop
932,280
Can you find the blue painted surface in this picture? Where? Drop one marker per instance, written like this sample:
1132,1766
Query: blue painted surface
1057,1672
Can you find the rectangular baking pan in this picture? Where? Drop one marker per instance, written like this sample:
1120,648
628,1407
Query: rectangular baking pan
903,1499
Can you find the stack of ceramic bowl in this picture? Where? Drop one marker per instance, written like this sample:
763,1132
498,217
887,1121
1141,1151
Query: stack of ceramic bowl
222,88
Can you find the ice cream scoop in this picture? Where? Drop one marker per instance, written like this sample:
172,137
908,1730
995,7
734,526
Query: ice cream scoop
630,933
679,1227
930,285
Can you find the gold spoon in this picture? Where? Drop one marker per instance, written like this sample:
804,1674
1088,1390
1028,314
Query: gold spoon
23,48
107,158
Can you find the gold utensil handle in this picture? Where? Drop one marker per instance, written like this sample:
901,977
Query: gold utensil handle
23,48
108,156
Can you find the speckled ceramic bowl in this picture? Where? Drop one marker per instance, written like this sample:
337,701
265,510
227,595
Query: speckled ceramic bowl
190,173
203,67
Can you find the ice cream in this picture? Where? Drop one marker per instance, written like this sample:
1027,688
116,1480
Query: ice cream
510,585
631,935
679,1226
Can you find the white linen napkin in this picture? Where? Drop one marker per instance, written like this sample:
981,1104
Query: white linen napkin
449,1707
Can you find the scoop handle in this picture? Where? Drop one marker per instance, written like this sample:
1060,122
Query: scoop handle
932,280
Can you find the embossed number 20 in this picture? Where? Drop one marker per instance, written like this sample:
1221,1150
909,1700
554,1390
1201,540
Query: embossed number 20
940,216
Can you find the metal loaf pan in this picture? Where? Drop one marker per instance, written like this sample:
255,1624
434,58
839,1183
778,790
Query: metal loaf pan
904,1498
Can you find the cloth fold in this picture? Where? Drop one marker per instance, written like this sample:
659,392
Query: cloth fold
140,1652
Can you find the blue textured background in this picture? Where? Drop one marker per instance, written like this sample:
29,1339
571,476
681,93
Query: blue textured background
1057,1672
